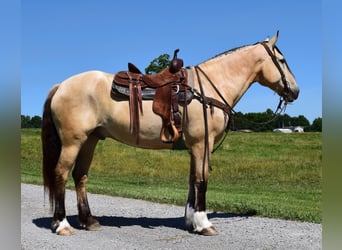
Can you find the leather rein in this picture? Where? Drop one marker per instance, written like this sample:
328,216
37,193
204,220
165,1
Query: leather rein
228,110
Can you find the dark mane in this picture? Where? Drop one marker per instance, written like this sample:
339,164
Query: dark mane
244,46
230,51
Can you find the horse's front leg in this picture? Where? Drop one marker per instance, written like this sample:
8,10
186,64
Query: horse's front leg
195,211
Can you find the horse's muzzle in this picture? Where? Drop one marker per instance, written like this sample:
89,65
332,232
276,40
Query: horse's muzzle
292,95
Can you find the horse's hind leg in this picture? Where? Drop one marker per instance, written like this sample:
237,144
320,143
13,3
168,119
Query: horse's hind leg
80,176
65,163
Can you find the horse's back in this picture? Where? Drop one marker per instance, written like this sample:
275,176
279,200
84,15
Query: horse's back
83,104
85,82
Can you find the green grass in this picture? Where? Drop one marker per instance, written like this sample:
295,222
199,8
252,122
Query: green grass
265,174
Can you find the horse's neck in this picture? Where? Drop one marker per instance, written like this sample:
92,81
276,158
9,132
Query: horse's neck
232,73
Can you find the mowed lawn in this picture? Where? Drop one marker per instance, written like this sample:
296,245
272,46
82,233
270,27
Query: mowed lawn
263,174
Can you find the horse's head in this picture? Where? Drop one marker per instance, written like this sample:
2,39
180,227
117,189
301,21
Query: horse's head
275,72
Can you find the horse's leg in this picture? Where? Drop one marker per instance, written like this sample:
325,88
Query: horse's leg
80,176
195,214
65,163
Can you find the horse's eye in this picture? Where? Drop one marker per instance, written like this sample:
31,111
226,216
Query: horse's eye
282,60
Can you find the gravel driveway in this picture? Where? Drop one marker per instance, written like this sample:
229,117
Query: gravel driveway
136,224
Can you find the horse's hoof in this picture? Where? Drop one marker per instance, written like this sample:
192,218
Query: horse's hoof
66,231
62,227
94,227
209,231
91,224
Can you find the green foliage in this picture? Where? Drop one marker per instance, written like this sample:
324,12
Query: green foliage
267,174
267,121
28,122
316,125
257,122
158,64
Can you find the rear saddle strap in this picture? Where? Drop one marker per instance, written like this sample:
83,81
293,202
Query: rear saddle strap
165,102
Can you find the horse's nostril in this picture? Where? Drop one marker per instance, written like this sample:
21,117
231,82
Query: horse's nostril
295,93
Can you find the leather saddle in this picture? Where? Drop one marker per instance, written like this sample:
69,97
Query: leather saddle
163,86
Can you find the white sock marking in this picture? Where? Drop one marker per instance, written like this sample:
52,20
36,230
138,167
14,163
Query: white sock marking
198,220
201,221
189,215
63,224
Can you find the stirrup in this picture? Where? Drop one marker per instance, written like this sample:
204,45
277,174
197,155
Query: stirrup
174,137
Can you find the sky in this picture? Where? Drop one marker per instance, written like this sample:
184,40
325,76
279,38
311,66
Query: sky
63,38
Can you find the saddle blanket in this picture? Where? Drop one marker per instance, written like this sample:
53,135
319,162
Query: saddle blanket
120,93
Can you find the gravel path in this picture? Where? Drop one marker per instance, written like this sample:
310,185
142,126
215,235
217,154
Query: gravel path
136,224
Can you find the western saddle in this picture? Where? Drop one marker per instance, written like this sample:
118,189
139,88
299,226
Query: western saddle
164,86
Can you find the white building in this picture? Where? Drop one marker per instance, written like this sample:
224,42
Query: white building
291,129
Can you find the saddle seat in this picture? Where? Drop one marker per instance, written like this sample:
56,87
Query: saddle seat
158,80
165,101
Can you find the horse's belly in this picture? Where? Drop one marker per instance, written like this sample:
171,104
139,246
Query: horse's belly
150,126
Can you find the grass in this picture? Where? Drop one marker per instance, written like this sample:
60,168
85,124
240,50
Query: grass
265,174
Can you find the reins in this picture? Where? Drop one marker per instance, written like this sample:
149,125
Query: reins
206,132
280,109
228,110
208,101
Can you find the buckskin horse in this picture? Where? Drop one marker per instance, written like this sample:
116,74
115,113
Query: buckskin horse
80,111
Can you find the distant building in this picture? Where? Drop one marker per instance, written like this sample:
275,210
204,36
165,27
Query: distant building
290,129
298,129
245,130
282,130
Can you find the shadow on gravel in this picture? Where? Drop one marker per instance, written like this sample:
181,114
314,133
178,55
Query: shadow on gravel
145,222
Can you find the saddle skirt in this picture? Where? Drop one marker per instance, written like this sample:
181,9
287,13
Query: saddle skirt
165,89
121,93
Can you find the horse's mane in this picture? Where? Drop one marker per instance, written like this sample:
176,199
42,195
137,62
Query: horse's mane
230,51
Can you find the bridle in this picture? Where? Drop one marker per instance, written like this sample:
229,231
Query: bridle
287,91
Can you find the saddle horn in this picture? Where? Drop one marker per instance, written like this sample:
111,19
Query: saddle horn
176,64
175,54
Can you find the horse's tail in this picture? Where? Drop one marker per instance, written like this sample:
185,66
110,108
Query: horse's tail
51,147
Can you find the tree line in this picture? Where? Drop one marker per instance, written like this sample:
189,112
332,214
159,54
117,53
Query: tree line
259,122
31,122
268,120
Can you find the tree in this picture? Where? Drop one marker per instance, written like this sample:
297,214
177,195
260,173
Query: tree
158,64
300,121
28,122
36,121
268,120
25,121
316,125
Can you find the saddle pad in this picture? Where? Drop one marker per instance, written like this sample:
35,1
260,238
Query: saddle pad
121,93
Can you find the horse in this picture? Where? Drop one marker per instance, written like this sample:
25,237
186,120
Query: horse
79,112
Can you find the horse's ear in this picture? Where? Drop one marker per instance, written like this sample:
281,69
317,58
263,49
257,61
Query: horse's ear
273,40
